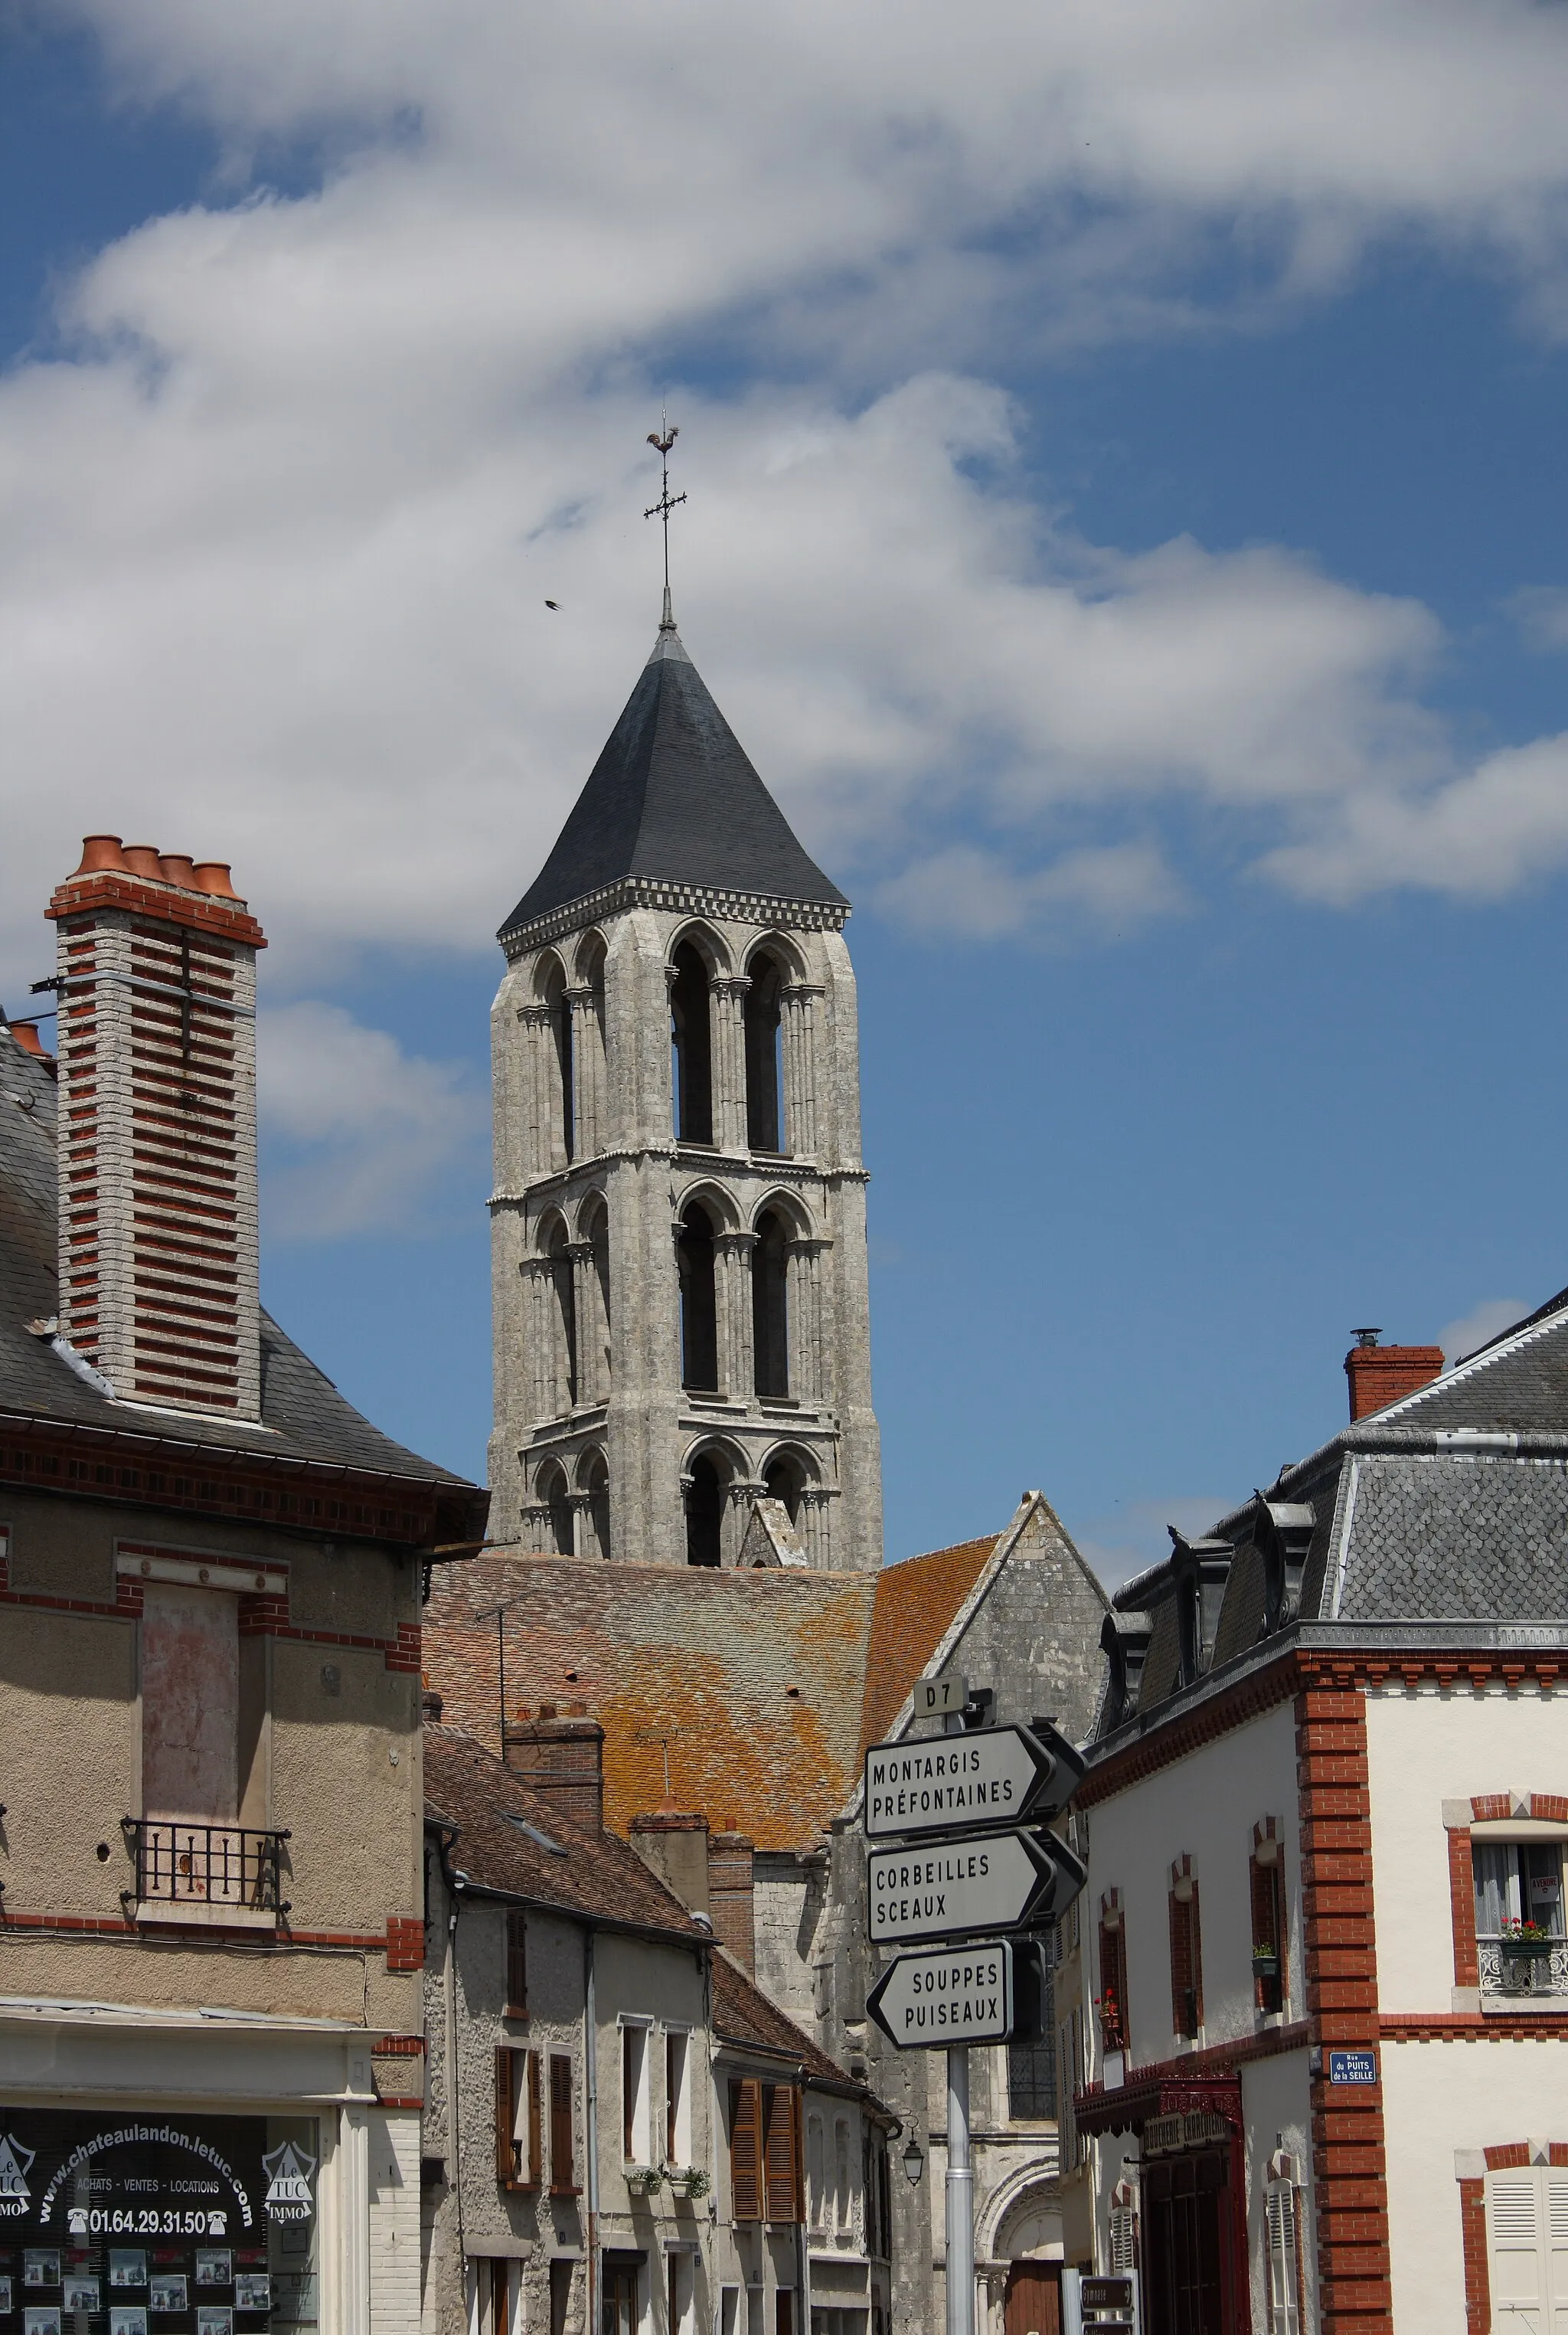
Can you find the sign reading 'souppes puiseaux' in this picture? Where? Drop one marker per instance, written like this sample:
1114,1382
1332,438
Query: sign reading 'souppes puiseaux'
959,1995
958,1783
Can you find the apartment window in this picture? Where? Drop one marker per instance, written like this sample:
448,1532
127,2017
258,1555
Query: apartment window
1284,2273
1113,2027
781,2152
495,2297
677,2099
560,2296
842,2207
518,2118
1186,1967
746,2150
784,2311
756,2310
1527,2241
563,2166
634,2128
816,2176
1519,1916
679,2293
1269,1938
729,2311
622,2316
517,1962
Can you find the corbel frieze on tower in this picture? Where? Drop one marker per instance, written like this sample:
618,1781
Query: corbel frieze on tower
679,1220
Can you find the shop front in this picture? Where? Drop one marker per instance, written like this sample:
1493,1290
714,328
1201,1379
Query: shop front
1185,2194
239,2196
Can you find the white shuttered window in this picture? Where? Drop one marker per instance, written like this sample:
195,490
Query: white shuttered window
1527,2234
1284,2287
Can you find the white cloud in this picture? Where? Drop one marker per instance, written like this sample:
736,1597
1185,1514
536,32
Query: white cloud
1477,1328
1541,612
279,513
356,1135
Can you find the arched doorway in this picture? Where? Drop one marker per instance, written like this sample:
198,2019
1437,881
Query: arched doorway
1031,2304
1029,2239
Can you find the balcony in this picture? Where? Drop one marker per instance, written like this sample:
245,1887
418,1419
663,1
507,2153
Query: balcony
1509,1976
209,1875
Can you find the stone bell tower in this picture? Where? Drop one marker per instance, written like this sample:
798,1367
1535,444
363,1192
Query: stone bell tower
679,1220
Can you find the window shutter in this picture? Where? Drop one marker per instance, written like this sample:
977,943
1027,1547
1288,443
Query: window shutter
1123,2240
746,2149
1263,1923
1180,1963
562,2180
1195,1941
505,2159
780,2152
517,1962
536,2124
1283,2289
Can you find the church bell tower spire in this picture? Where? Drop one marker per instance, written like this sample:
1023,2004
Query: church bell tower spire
683,1361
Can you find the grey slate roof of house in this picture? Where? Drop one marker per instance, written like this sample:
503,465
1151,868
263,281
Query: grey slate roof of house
1423,1512
674,796
304,1416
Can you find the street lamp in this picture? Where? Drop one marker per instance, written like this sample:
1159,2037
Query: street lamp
913,2161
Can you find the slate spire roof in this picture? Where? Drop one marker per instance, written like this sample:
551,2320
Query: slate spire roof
674,797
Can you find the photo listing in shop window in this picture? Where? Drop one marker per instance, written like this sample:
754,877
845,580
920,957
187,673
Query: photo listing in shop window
116,2224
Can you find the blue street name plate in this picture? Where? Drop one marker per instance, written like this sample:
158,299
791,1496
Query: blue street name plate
1352,2067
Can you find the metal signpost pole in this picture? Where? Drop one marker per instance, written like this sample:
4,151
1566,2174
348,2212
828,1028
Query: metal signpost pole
960,2197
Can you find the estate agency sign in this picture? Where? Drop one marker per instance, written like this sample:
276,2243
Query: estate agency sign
127,2223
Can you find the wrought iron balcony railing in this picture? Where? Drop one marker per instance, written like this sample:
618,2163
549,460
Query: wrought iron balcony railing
205,1864
1511,1972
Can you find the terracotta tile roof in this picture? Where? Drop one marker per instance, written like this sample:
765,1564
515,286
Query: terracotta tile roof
754,1682
599,1877
916,1603
760,1686
743,2015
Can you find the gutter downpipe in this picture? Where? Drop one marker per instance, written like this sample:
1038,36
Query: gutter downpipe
591,2120
805,2327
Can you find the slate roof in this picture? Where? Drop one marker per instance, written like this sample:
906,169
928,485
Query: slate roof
599,1877
674,796
304,1416
1415,1518
760,1685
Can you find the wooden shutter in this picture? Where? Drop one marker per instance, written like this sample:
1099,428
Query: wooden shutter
506,2160
536,2132
562,2171
781,2148
517,1962
746,2150
1264,1924
1280,2200
1187,1978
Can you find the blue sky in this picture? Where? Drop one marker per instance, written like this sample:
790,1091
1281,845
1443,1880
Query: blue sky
1126,528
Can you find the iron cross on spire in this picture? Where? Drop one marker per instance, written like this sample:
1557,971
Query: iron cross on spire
663,439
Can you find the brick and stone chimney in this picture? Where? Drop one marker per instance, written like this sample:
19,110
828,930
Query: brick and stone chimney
731,1899
159,1267
1383,1374
675,1846
560,1755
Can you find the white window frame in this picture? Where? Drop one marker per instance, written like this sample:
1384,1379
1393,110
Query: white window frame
641,2119
675,2031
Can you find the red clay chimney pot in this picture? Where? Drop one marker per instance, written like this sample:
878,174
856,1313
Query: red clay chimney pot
28,1038
142,859
180,868
99,852
212,876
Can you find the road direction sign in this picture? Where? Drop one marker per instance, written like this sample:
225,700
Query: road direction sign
950,1888
961,1783
960,1994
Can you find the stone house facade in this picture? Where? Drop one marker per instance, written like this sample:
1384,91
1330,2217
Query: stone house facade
211,1569
619,2130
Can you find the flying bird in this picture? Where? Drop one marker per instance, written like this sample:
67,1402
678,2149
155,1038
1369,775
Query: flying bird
552,604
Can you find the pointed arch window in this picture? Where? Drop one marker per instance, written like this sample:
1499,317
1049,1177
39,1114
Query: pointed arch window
699,1302
692,1047
595,1482
550,1491
785,1479
771,1304
704,1513
764,1050
560,1006
565,1303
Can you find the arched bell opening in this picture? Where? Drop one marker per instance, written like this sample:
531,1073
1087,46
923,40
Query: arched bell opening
695,1255
692,1046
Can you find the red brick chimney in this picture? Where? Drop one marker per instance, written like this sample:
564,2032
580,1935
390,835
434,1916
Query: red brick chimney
560,1755
158,1278
731,1896
1383,1374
